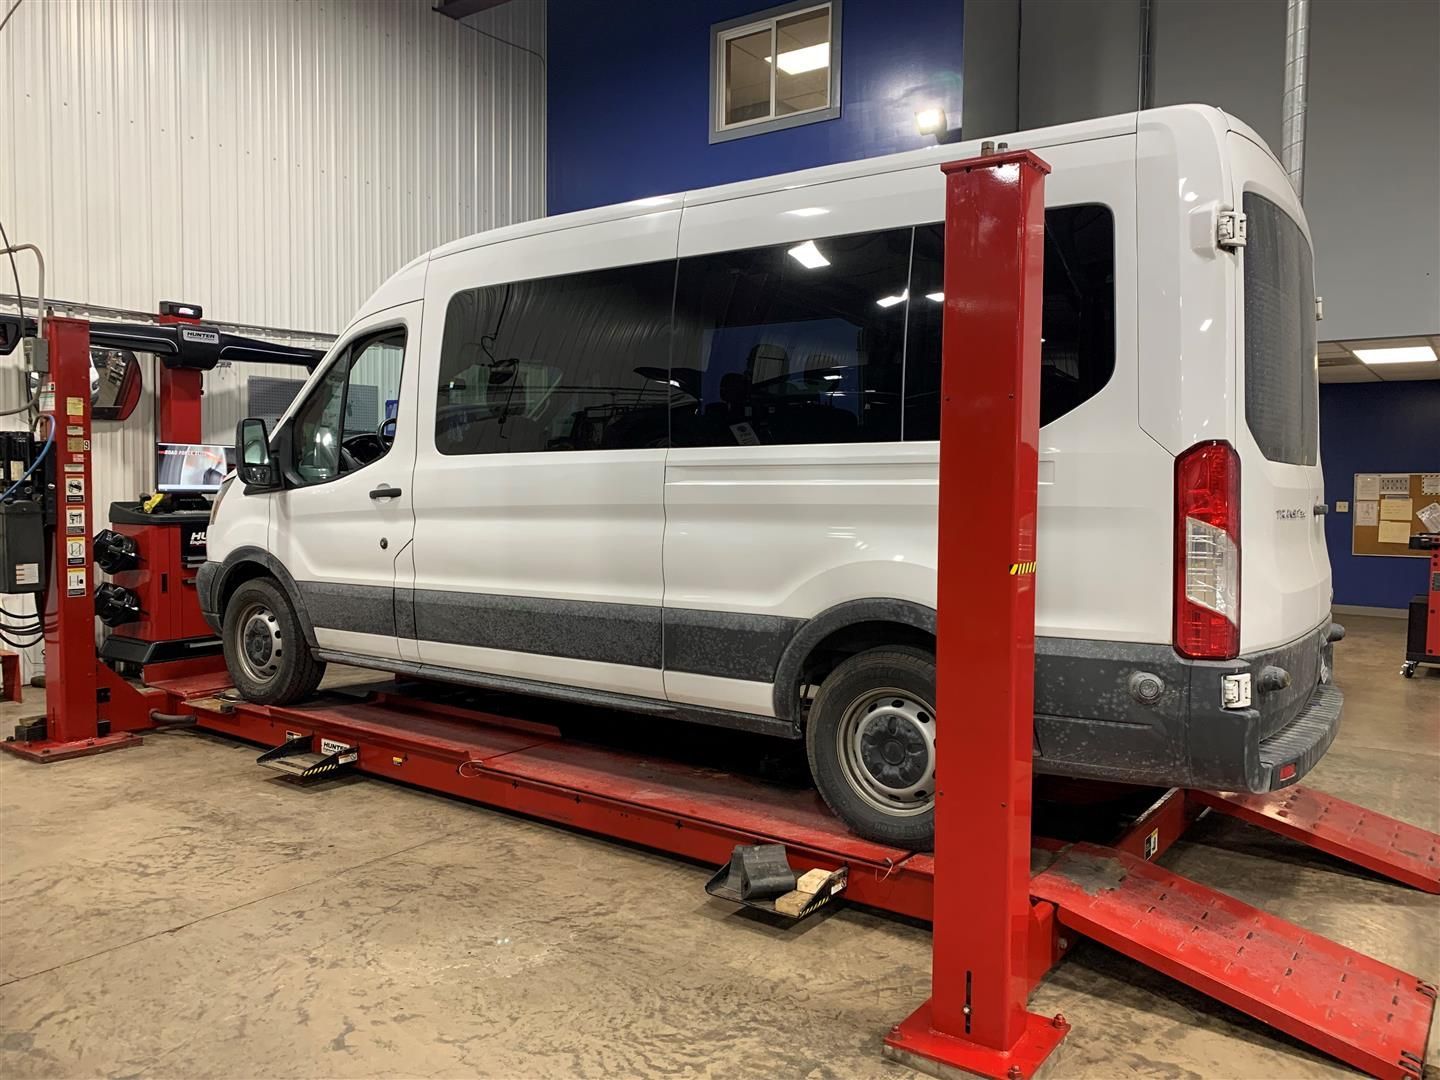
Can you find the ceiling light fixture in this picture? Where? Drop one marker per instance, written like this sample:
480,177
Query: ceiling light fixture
938,297
810,58
891,301
1396,354
808,255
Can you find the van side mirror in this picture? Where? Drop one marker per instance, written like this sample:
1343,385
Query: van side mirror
253,464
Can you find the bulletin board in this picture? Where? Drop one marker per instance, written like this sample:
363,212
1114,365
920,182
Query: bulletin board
1389,508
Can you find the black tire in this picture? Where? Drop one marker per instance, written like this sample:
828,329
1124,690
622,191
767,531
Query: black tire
899,744
278,667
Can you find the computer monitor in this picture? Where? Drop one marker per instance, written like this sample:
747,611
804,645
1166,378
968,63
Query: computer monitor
191,467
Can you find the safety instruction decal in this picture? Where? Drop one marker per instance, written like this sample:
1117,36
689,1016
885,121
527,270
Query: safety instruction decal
74,489
27,573
77,445
75,429
75,522
75,552
74,406
75,582
76,466
1019,568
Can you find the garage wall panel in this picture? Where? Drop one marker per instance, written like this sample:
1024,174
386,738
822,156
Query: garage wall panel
272,160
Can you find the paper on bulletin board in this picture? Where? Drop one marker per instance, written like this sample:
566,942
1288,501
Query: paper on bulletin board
1367,513
1395,483
1430,515
1395,509
1394,532
1367,486
1430,483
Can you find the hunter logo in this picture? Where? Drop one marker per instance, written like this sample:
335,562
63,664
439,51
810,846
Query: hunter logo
1290,514
197,538
200,337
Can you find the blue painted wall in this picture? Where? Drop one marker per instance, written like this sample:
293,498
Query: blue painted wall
1374,427
629,99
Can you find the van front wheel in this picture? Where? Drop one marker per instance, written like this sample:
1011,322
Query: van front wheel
265,650
871,744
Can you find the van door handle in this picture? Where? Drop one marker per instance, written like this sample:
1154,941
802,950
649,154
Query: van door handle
385,491
1321,509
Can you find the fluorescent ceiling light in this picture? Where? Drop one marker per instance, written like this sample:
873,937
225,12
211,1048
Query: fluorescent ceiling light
1397,354
938,297
832,378
891,301
808,211
808,255
930,121
810,58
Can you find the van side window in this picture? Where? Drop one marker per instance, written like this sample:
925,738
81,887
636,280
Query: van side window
796,343
1077,350
565,363
1281,373
362,387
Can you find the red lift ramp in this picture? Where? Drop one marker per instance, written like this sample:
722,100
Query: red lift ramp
1370,1015
1382,844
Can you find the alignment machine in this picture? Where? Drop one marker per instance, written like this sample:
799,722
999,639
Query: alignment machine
1019,866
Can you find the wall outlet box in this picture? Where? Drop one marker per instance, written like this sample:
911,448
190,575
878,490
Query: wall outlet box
1342,507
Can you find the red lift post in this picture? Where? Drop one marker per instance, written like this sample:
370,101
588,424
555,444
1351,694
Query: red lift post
72,718
976,1020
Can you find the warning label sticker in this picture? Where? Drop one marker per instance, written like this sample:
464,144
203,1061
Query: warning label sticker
74,489
75,582
77,466
75,522
27,573
74,406
75,429
75,552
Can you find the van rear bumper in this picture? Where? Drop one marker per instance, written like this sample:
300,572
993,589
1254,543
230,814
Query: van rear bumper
1143,714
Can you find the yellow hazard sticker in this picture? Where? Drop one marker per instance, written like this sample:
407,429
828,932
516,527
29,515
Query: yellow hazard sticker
1017,568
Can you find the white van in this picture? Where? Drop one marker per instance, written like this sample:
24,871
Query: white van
679,457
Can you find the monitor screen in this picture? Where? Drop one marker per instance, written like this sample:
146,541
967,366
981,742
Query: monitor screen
183,467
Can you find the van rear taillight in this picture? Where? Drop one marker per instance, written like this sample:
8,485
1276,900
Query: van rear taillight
1207,552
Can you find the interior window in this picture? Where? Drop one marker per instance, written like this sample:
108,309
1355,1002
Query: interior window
349,419
797,343
774,69
1077,336
566,363
1281,373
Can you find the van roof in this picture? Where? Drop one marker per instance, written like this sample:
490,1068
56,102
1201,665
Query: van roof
1105,127
408,283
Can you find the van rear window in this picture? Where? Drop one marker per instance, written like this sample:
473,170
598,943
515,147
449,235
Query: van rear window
1281,373
1077,333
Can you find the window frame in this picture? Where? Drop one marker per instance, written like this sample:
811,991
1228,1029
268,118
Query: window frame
343,355
723,32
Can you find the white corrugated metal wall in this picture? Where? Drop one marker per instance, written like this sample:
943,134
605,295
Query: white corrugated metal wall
272,160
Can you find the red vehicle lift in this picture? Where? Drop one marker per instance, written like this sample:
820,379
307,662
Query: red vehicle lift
997,891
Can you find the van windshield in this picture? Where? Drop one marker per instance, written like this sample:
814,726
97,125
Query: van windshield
1281,372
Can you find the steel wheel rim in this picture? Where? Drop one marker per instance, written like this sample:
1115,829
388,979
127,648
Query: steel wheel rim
886,743
260,645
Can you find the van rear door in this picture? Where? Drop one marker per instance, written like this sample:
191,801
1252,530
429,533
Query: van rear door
1285,570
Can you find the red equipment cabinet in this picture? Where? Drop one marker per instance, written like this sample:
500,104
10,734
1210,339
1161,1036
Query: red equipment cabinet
171,547
1422,641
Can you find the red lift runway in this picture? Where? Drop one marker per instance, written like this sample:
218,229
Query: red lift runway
1370,1015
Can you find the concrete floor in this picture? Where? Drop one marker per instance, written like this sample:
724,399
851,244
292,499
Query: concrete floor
173,911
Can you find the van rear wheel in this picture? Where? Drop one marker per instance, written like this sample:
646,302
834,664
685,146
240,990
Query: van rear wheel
265,650
871,744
